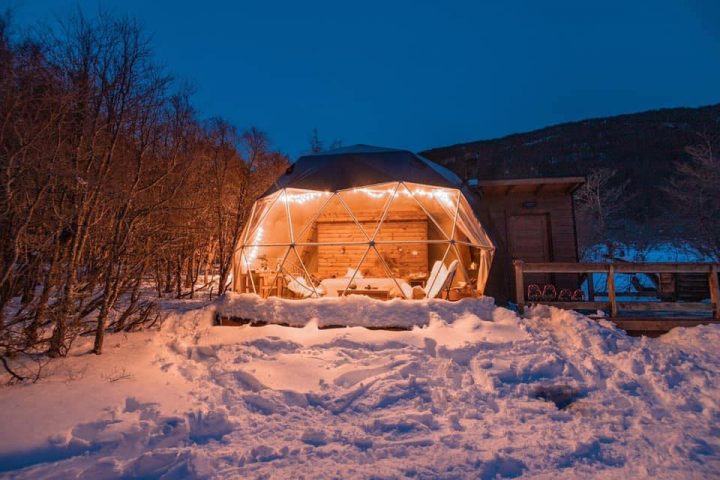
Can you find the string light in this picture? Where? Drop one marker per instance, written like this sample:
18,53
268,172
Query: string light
251,254
373,193
444,196
301,198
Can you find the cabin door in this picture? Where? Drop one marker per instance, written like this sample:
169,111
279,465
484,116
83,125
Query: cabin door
530,241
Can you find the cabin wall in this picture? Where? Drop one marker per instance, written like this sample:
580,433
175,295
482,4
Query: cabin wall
507,215
403,259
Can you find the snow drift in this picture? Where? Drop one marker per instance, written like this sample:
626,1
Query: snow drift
477,393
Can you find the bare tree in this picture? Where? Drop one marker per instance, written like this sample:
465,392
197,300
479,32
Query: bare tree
238,182
108,182
599,204
317,145
695,193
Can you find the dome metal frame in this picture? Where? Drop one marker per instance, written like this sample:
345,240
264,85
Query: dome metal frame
466,230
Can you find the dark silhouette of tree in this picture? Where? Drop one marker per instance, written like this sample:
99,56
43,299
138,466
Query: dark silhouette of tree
695,191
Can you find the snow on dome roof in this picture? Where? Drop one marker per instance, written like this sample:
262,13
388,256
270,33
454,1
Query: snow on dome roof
361,165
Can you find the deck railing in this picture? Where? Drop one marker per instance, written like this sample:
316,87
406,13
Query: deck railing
710,269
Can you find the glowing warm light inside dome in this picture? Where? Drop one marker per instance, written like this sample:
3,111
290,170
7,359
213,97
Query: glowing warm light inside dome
388,240
439,193
252,252
301,198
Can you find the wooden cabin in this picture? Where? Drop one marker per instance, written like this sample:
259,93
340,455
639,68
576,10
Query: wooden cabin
530,219
528,213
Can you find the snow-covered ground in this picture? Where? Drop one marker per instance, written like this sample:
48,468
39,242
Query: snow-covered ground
658,252
478,393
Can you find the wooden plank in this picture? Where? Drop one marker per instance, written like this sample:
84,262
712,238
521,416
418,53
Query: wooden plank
578,305
374,293
529,240
611,291
405,255
634,306
714,291
631,294
531,181
565,267
666,306
659,325
582,267
370,217
519,285
663,267
231,321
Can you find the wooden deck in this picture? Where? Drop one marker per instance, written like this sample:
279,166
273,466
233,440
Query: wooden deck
232,321
636,317
655,326
636,326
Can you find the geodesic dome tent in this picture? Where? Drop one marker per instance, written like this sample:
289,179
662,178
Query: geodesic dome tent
361,219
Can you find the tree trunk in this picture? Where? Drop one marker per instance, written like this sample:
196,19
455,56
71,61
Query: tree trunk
178,277
168,277
31,331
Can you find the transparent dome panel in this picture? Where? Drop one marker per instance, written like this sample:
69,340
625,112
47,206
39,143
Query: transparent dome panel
468,228
367,204
273,226
303,207
385,241
406,260
295,281
370,277
258,213
479,267
439,204
403,220
259,266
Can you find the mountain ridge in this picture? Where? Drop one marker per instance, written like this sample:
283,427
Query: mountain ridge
643,147
572,122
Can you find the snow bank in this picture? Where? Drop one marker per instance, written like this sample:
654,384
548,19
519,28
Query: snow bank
352,310
477,393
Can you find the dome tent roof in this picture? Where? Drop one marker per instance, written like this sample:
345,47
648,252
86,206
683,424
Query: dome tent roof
363,209
361,165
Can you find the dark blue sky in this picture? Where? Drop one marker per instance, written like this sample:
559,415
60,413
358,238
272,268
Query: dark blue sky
419,74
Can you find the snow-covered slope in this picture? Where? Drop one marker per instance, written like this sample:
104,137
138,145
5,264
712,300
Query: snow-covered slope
479,393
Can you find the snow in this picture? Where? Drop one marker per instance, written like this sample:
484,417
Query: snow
476,392
660,252
352,310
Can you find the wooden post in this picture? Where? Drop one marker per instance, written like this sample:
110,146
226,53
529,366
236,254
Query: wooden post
280,285
240,283
591,287
611,291
519,285
714,291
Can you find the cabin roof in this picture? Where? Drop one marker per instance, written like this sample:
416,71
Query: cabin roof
535,185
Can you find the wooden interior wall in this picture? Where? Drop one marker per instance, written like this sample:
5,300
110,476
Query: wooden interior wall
403,259
563,248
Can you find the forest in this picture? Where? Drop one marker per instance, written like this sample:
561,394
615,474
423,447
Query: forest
111,185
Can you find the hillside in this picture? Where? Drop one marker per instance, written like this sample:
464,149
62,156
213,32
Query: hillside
641,146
